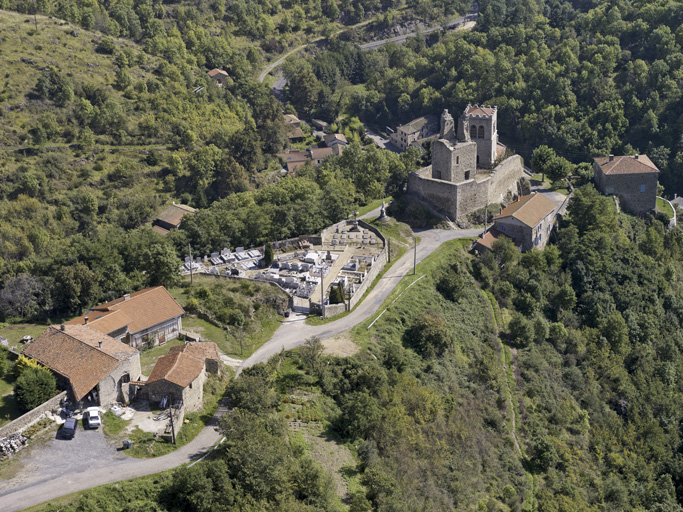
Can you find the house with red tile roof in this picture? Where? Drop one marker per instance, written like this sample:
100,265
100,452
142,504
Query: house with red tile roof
148,316
633,179
180,374
527,222
219,76
87,362
171,218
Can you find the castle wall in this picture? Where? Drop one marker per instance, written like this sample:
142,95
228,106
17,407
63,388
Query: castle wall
471,196
505,177
442,194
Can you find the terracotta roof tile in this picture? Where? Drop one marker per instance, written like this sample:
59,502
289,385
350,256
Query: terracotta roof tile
476,110
199,350
144,309
334,137
174,214
321,153
218,72
75,354
176,367
491,236
529,210
637,164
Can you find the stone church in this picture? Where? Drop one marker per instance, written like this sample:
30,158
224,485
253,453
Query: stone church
468,170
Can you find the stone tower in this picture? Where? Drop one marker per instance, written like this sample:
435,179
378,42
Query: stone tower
447,126
480,124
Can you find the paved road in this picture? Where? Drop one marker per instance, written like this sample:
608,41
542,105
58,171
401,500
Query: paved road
294,332
63,477
400,39
63,467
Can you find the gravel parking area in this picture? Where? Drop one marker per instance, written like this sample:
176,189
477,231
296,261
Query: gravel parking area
56,458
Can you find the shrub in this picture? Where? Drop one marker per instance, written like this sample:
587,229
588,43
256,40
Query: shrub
34,386
106,46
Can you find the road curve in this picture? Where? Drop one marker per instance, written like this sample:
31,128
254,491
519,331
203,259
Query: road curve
294,332
399,39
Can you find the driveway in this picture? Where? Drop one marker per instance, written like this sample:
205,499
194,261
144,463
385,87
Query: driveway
86,452
62,467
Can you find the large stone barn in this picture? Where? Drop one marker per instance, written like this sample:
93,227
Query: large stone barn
149,316
88,364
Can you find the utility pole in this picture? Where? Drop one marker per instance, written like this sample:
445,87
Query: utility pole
191,264
172,425
415,255
389,253
322,293
241,337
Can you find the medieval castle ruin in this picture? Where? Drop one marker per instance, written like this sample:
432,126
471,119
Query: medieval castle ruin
468,171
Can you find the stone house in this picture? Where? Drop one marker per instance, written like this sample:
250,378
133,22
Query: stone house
151,315
180,374
464,176
171,218
527,221
204,351
87,362
334,139
415,130
633,179
219,76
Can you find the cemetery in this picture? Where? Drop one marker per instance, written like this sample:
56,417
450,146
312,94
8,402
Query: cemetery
324,274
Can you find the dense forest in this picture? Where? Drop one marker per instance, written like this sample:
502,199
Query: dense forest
586,78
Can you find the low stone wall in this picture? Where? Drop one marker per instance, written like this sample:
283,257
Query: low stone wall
377,266
32,417
334,310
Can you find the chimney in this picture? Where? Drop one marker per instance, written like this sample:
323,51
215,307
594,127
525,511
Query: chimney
86,320
100,343
636,157
611,157
62,328
126,296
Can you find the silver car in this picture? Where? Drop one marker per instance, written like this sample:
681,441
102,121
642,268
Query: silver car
92,415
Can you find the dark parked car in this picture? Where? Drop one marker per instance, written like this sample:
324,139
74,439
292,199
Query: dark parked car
69,428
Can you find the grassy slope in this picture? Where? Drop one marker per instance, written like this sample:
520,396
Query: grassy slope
262,321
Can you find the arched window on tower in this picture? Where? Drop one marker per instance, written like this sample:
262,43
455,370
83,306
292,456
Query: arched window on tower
473,132
481,132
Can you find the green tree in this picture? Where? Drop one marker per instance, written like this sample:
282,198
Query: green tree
161,265
542,159
76,287
429,334
560,168
33,387
268,255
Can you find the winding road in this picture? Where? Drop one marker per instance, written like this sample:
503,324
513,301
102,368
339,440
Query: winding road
26,490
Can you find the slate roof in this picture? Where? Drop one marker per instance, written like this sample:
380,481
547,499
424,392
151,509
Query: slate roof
176,367
199,350
142,310
75,354
529,210
636,164
174,214
476,110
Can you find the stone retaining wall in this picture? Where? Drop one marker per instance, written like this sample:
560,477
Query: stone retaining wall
32,417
